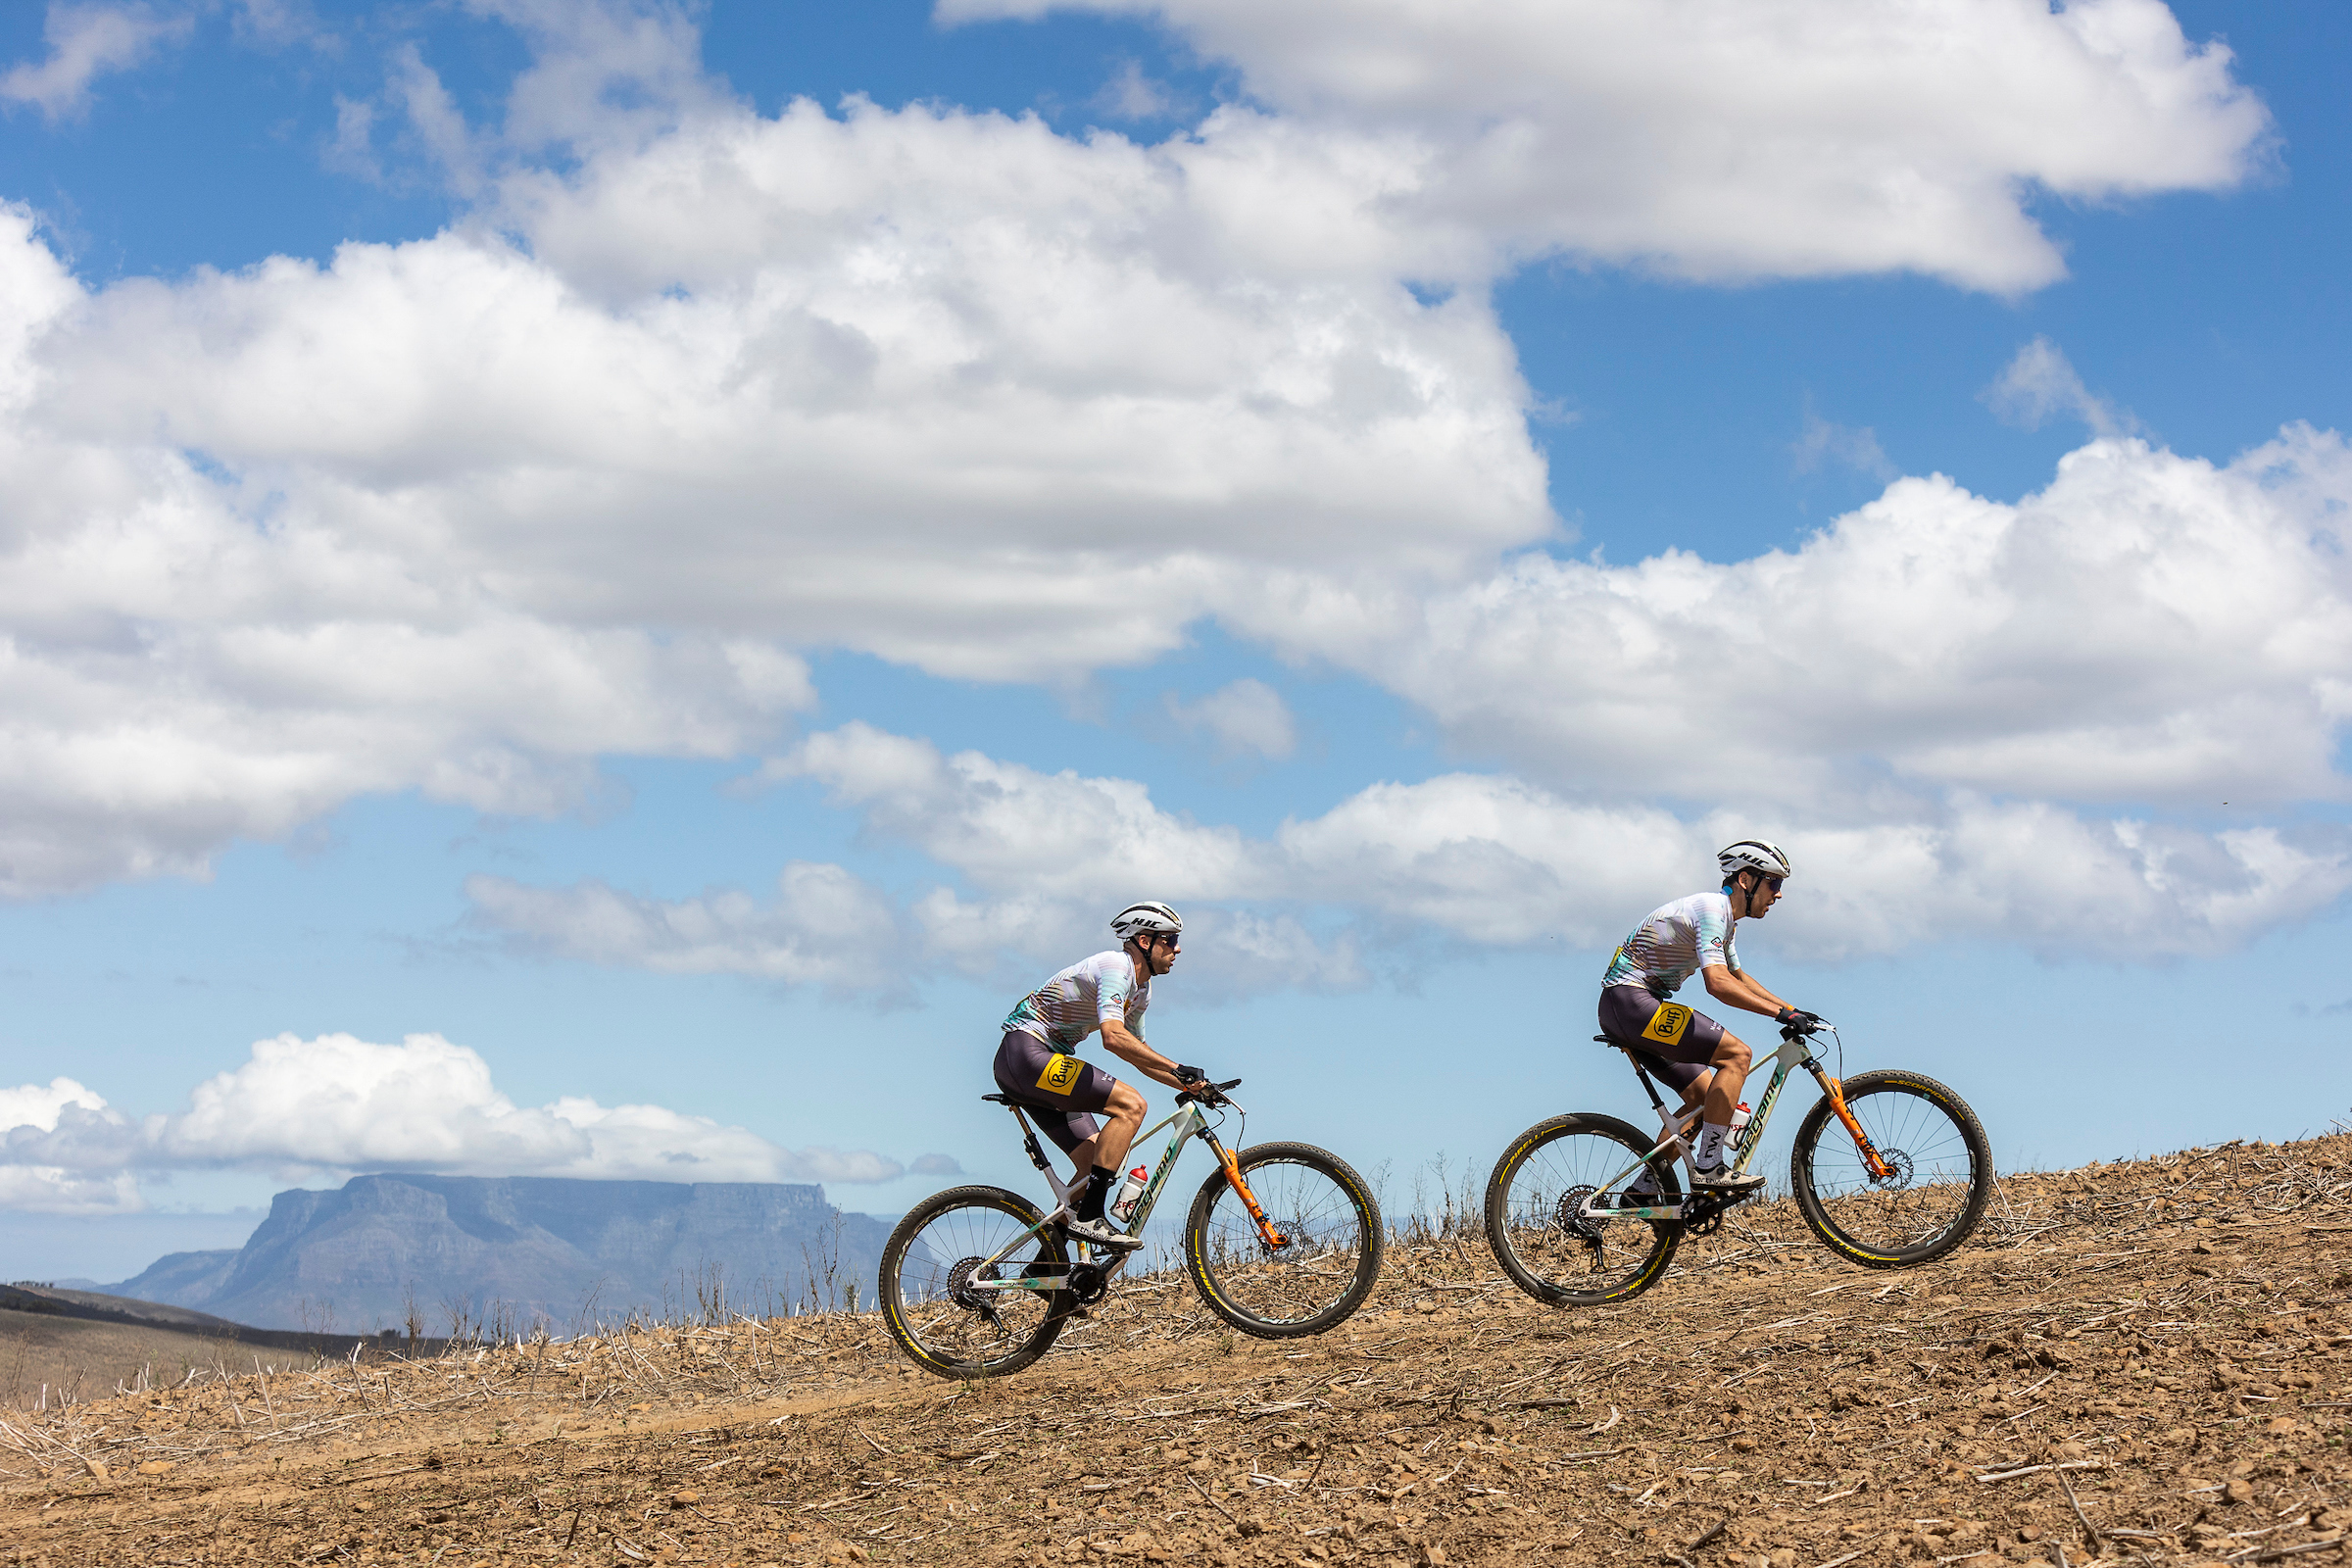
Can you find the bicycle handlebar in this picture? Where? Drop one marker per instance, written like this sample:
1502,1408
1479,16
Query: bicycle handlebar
1207,1094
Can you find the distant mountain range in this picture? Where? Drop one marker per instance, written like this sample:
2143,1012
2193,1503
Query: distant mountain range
454,1252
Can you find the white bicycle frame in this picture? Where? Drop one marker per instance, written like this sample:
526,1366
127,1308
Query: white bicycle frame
1795,1052
1187,1122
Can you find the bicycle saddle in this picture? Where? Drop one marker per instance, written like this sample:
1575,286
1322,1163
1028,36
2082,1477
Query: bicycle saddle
998,1100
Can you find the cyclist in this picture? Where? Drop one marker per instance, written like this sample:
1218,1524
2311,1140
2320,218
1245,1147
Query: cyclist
1108,992
1691,1050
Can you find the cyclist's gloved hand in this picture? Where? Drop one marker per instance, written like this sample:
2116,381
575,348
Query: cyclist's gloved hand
1189,1076
1798,1019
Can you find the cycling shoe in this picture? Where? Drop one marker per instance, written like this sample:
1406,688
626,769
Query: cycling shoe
1098,1233
1723,1179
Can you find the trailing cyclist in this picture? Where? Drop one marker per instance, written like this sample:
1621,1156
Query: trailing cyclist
1691,1050
1108,991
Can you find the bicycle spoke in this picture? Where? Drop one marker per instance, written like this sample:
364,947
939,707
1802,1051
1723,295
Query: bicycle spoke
1328,1251
1539,1223
1930,1186
948,1325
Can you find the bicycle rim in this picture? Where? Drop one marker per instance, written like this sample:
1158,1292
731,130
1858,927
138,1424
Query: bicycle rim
936,1253
1931,1202
1533,1201
1329,1256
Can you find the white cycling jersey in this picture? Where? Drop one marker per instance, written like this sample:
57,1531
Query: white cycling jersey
1074,1004
1675,943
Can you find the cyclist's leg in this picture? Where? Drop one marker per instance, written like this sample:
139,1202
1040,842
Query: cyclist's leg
1064,1092
1124,1119
1731,1061
1675,1033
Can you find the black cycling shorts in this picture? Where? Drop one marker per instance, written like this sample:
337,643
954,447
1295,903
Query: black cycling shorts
1057,1090
1679,1041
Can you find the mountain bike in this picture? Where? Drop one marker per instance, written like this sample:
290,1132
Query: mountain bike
1901,1179
1283,1240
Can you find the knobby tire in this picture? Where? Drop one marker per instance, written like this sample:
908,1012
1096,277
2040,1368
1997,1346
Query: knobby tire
1525,1224
1880,1223
1329,1266
956,1342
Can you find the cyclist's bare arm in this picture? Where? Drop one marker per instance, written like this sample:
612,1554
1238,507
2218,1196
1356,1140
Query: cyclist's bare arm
1122,1042
1736,988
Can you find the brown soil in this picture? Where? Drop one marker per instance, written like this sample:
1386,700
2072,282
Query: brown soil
2133,1362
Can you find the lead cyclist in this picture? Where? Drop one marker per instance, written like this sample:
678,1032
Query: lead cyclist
1034,1065
1706,1061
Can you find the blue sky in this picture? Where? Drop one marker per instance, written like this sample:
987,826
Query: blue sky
597,589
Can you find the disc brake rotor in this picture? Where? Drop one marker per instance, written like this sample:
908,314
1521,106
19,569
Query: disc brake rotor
1899,1169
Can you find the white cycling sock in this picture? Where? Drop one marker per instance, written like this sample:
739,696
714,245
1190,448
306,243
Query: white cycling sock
1710,1143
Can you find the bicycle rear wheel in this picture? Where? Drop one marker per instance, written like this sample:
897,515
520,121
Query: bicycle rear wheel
1934,1196
1542,1241
1330,1256
934,1257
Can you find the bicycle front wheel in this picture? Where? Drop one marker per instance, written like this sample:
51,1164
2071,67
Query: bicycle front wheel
937,1256
1331,1234
1535,1221
1929,1200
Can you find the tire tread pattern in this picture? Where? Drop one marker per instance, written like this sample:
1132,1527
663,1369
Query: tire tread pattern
1367,1267
1499,1209
893,1256
1820,1117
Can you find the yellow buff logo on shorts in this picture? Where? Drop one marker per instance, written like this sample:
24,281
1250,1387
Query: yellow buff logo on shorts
1060,1075
1666,1025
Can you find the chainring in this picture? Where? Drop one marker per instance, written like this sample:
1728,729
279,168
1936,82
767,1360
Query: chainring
1087,1283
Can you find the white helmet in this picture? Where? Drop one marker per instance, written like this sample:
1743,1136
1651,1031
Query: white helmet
1753,855
1141,919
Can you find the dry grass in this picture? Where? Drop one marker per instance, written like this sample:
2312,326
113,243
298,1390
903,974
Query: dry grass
2171,1331
48,1361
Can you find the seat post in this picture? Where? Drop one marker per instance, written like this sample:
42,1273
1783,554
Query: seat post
1631,1054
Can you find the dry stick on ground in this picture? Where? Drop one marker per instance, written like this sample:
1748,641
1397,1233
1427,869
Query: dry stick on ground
1212,1501
2088,1529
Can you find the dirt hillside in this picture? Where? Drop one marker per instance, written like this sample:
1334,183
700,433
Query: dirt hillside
2147,1361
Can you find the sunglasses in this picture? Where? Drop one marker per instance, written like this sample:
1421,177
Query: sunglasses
1772,882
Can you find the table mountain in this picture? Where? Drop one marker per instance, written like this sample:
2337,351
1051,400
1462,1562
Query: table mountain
464,1251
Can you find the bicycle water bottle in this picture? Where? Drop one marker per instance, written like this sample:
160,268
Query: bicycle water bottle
1131,1191
1738,1123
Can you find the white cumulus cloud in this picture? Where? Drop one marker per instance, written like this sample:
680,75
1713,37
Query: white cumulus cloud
1247,718
825,927
1493,860
336,1106
695,390
31,1116
1712,139
85,42
2041,383
2149,629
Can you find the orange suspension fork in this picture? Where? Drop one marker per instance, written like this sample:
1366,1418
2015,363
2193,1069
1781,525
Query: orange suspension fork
1871,1158
1266,1232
